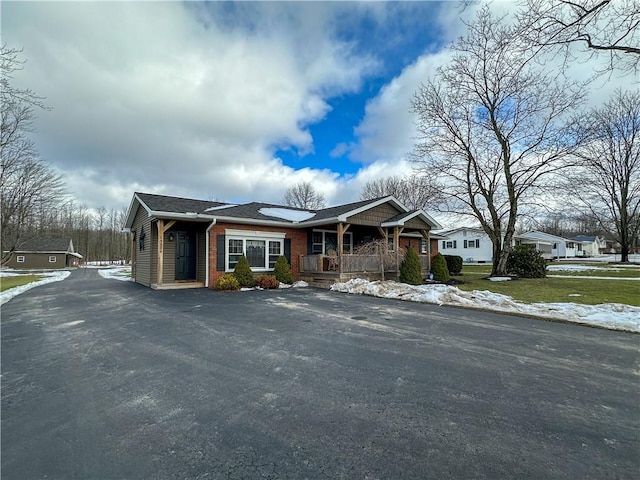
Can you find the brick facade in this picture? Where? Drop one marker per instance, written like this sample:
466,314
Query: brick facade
298,246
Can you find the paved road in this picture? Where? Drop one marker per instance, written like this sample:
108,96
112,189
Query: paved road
110,380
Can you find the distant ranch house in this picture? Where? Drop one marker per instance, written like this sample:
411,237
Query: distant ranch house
44,253
180,242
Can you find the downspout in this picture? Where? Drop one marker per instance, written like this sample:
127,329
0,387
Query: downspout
206,278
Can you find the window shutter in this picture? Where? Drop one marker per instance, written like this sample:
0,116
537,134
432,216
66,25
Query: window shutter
465,244
454,244
444,244
220,252
478,243
287,250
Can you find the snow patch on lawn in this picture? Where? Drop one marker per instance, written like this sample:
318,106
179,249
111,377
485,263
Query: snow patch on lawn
499,279
613,316
50,277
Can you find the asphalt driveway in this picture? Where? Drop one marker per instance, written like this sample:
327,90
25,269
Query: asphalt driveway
104,379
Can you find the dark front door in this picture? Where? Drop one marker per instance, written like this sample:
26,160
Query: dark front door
185,256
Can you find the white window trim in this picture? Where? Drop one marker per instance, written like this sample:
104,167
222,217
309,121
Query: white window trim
20,258
245,235
54,259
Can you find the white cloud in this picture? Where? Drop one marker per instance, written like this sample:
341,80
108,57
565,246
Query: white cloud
144,93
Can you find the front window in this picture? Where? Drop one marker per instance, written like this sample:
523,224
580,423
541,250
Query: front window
236,250
20,259
262,253
423,245
52,259
256,253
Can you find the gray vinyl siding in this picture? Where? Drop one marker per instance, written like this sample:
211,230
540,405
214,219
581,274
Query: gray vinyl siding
169,259
143,257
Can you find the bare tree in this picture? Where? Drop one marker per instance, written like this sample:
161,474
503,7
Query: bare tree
607,181
416,192
491,129
303,195
607,27
28,187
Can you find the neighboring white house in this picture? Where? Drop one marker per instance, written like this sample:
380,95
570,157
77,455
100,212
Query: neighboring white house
560,247
591,246
472,244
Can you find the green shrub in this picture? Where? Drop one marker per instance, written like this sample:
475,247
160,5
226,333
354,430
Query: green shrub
454,264
281,271
243,273
267,282
410,268
439,268
227,281
526,262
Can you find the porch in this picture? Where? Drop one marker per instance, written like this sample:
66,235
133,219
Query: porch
324,270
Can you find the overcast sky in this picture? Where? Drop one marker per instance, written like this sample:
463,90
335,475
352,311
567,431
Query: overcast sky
229,101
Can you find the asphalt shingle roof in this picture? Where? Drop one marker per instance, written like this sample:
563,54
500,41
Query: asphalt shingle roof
46,244
163,203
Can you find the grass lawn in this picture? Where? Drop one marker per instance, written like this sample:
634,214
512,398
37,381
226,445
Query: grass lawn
9,282
548,290
601,272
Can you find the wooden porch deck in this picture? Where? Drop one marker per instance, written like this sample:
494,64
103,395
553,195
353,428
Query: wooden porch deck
323,271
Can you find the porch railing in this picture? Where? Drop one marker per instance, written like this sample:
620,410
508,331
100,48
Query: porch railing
353,263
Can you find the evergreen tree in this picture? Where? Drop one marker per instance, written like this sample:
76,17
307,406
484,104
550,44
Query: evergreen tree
410,268
439,268
243,273
281,271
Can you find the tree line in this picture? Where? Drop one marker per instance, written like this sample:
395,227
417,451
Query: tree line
34,201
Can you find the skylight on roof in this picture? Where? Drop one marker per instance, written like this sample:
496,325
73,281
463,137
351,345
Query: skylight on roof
286,214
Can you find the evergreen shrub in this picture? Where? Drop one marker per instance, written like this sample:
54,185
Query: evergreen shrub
439,268
227,281
410,268
526,262
454,264
281,271
243,273
267,282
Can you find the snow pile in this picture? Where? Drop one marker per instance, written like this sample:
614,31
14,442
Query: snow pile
50,277
611,315
287,214
298,284
116,273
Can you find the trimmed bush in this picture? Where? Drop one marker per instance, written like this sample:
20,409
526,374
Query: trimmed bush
454,264
281,271
243,273
439,268
526,262
227,281
267,282
410,268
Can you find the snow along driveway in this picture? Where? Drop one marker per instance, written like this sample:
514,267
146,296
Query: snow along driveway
613,316
53,276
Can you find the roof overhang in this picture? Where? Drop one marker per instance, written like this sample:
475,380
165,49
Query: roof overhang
400,222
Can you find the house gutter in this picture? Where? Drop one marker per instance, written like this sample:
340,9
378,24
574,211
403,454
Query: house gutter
206,263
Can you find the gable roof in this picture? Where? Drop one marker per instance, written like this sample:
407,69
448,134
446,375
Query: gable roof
447,233
402,218
162,206
47,244
163,203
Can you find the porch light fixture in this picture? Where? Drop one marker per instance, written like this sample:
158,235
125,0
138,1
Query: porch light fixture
171,236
